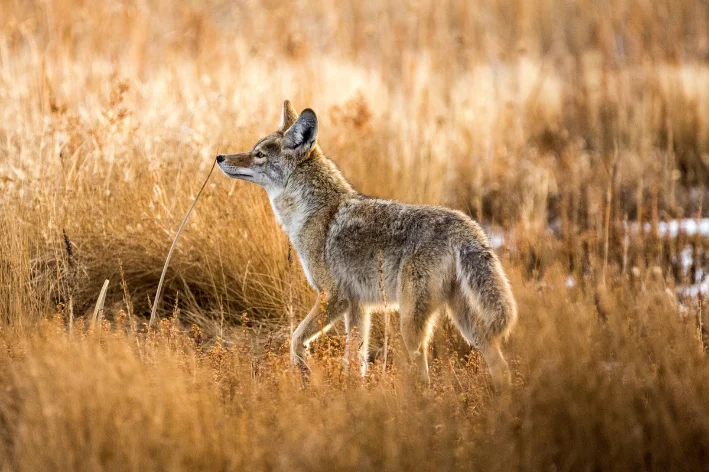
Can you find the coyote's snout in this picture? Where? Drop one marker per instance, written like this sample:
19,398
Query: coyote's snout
428,258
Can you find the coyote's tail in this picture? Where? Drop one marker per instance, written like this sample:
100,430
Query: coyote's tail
490,304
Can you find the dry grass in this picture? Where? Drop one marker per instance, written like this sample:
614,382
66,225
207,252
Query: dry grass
562,124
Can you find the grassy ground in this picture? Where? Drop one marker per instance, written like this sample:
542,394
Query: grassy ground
574,129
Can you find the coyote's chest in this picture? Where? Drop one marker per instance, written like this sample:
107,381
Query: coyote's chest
294,217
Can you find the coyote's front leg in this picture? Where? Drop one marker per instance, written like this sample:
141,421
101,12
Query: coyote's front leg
321,317
357,323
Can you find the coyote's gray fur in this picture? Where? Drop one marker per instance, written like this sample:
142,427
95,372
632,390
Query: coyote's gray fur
429,258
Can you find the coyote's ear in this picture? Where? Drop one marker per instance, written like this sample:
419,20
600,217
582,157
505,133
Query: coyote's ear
288,116
301,136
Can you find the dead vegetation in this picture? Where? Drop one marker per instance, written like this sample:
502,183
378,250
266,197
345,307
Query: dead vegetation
578,130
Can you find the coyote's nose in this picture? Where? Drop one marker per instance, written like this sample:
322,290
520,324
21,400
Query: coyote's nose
220,158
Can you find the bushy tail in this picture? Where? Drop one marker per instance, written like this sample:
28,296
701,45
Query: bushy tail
491,307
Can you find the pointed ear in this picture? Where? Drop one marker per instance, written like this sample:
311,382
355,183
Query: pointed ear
301,136
288,116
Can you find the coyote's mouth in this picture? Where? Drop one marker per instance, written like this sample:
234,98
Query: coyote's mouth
236,172
240,174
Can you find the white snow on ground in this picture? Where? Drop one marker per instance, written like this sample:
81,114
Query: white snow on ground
688,226
496,238
694,290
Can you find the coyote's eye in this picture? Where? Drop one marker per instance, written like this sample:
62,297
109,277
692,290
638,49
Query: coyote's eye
260,154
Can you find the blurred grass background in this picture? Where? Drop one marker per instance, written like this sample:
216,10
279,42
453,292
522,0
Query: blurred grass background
577,132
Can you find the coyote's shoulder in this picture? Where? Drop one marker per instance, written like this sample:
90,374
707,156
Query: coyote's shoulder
358,250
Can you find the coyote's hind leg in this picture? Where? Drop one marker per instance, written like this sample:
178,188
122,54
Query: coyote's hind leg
417,310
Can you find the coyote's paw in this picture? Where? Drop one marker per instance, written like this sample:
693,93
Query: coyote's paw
298,361
297,358
345,363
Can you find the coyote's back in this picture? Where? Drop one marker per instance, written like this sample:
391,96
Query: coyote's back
355,250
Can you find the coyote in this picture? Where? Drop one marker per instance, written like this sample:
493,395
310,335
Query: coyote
426,258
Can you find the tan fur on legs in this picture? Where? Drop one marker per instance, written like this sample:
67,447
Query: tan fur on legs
416,316
320,319
416,342
357,324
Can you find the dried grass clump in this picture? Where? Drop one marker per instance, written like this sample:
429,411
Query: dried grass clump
631,392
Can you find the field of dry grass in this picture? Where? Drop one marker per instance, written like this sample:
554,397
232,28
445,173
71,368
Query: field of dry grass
576,131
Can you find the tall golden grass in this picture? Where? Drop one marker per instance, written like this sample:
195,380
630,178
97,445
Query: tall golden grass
574,128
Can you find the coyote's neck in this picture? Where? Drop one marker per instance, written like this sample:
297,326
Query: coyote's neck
305,207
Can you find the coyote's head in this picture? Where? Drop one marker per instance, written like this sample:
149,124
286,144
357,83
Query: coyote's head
274,157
